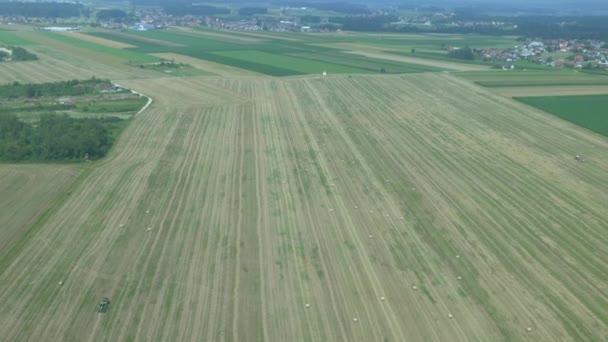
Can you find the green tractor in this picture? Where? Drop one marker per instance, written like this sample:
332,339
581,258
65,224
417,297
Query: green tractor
103,305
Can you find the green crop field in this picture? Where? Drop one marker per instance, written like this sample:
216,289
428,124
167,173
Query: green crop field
298,65
360,207
526,78
125,54
589,111
12,38
272,54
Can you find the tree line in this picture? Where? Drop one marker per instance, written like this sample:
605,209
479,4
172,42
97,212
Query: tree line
41,9
64,88
17,54
188,9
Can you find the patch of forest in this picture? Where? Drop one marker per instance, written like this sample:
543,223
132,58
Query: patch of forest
67,121
15,53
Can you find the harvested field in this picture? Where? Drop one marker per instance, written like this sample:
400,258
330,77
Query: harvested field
455,66
98,40
349,208
33,189
550,91
55,64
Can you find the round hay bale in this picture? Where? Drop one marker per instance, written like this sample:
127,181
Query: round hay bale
382,298
356,207
307,305
147,211
331,209
149,228
528,329
371,211
414,287
459,278
355,320
371,236
450,316
60,283
458,257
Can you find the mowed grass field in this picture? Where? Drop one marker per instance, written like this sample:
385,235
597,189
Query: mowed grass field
589,111
350,208
27,192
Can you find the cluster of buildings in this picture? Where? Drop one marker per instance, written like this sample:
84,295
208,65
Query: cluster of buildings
154,19
554,53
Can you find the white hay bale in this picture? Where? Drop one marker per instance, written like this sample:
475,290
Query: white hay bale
450,316
356,207
401,217
331,209
149,228
459,278
60,283
147,211
382,298
528,329
414,287
121,225
458,257
371,236
355,320
307,305
371,211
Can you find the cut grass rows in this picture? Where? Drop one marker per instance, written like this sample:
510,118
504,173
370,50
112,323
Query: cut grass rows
264,195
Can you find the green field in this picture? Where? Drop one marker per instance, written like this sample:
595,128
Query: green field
298,65
12,38
270,54
125,54
526,78
589,111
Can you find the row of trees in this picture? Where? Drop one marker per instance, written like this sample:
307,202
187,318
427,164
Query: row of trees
249,11
17,54
373,23
337,6
65,88
465,53
54,138
187,9
41,9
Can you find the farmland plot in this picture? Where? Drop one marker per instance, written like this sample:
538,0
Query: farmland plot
333,208
27,192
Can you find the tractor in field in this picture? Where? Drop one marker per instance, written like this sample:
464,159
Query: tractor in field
579,159
103,305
